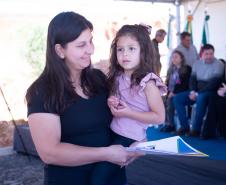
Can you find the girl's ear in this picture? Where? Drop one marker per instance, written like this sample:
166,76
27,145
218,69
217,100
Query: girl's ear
59,51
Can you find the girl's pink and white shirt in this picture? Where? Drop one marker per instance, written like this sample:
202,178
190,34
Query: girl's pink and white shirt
135,98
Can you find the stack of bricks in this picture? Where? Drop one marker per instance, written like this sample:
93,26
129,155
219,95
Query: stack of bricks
6,133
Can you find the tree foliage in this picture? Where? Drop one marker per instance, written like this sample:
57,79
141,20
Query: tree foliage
36,47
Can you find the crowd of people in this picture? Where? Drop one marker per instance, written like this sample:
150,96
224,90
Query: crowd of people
196,90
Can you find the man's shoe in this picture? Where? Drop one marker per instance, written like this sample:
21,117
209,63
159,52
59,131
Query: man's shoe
195,133
170,128
182,131
162,129
167,128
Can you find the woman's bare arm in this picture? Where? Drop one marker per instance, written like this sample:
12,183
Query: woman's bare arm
46,133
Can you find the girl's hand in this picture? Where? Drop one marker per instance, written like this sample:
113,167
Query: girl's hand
122,110
113,101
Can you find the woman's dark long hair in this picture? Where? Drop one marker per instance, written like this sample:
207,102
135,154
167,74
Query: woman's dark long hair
64,28
147,55
183,68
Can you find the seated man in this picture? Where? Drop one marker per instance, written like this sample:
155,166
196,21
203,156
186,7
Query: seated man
205,78
216,116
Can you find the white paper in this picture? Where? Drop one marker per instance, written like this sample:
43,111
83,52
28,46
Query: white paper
168,146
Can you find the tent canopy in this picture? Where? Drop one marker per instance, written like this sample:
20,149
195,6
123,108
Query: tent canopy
177,4
161,1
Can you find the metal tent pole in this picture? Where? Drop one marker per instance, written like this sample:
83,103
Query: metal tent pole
177,4
16,128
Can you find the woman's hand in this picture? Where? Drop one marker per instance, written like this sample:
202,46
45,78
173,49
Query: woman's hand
117,154
136,154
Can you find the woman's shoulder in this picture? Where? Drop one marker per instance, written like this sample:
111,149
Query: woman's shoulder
98,73
36,98
36,91
38,88
99,79
187,68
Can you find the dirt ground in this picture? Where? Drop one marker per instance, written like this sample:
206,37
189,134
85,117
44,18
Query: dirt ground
18,169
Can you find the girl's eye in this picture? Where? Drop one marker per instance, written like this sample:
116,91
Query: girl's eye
132,48
119,49
81,45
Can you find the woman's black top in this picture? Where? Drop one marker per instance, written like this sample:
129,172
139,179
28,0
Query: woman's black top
84,122
184,77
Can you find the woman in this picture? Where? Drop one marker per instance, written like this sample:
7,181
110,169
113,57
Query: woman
67,107
177,80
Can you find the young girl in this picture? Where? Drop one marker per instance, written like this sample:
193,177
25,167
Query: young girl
177,80
135,100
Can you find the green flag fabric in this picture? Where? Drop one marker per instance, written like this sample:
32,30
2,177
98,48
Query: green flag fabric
205,33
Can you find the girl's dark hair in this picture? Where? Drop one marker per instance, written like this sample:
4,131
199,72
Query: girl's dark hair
147,55
64,28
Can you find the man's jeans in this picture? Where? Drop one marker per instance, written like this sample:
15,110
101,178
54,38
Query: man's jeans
182,99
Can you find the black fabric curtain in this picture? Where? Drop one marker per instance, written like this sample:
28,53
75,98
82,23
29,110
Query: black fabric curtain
176,170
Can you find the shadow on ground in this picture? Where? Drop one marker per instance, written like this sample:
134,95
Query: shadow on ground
18,169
